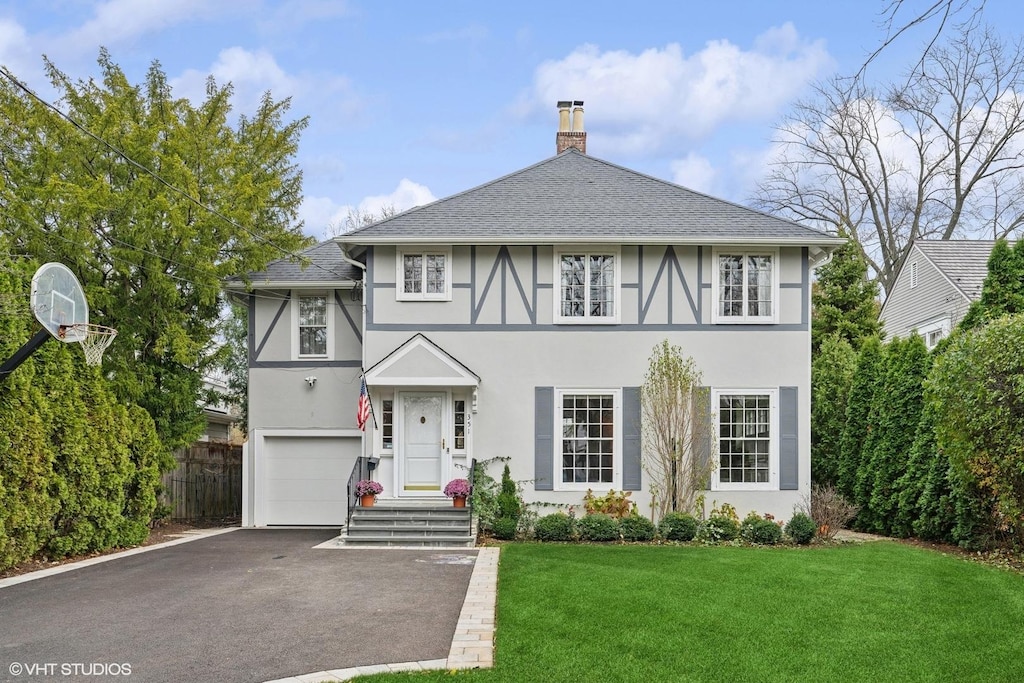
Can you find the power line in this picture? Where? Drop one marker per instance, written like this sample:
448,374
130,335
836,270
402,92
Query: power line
259,238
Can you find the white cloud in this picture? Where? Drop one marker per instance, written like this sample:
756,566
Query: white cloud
324,217
407,195
118,21
695,172
254,72
14,46
640,101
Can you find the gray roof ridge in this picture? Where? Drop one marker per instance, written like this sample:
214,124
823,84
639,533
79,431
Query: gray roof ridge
450,197
696,192
573,150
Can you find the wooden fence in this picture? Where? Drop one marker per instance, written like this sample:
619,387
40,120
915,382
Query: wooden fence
206,484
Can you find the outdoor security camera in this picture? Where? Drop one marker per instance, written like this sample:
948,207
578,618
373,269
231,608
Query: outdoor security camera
310,381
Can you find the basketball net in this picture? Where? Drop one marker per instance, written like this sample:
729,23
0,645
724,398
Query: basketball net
94,340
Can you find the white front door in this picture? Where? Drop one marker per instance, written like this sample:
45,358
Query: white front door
422,443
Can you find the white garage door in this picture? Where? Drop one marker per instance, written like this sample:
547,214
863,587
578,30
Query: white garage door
305,479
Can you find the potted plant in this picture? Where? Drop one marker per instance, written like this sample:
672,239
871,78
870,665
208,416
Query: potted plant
458,491
367,491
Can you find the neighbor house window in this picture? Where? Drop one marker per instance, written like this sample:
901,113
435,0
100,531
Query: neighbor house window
387,425
424,275
588,289
588,449
747,430
312,325
933,332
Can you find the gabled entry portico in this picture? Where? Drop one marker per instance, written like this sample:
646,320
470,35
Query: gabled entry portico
425,400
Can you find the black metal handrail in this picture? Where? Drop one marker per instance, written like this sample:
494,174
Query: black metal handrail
360,470
472,482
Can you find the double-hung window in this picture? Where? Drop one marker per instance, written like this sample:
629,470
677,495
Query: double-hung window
746,284
588,289
588,450
747,432
424,275
312,317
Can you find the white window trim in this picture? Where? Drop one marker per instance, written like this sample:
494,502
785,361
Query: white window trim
329,306
586,250
379,440
942,325
616,482
467,425
773,442
718,319
402,295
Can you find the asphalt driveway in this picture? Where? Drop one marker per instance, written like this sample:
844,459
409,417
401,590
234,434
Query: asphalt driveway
247,606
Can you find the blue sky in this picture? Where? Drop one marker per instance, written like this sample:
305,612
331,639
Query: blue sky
411,101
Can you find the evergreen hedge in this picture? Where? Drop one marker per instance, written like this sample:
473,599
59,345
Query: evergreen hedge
79,471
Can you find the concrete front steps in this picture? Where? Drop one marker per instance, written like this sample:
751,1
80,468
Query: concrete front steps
422,524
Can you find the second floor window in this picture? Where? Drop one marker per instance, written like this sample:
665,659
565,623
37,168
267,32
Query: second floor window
746,284
312,326
587,287
424,275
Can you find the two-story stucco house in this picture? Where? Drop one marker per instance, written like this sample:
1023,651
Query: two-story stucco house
933,290
517,319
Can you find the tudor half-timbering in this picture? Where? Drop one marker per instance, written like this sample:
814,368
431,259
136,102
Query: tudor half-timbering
516,319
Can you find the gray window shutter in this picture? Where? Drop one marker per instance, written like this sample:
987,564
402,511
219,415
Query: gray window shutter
789,440
544,438
631,469
707,446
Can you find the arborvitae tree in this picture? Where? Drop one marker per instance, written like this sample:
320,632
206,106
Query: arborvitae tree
844,302
899,402
832,372
911,485
1003,290
78,469
858,408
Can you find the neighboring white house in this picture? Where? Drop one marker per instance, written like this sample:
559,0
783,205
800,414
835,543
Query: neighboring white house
517,319
937,283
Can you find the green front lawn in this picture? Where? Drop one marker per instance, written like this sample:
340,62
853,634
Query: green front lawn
873,612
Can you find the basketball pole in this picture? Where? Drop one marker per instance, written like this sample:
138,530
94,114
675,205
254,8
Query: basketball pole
27,349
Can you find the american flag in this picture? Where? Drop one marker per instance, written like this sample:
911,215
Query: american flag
363,408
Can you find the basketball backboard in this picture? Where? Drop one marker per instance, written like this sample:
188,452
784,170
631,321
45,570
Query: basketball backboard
58,302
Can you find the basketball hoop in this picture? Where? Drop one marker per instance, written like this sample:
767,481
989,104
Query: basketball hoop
94,339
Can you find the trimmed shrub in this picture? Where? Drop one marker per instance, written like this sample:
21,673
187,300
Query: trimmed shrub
760,530
598,527
509,504
801,528
678,526
717,528
556,527
637,528
504,528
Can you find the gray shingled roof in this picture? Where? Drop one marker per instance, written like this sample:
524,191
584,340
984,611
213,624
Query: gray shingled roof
575,196
964,262
321,263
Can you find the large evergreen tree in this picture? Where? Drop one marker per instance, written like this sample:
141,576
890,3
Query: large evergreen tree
896,407
151,200
832,373
844,302
858,408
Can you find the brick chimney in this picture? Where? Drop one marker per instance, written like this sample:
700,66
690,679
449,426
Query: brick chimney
570,135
